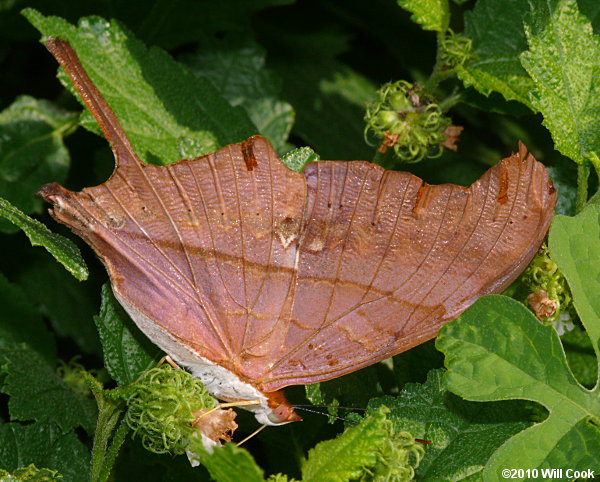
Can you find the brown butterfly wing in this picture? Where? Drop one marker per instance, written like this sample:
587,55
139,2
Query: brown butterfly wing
192,247
284,278
204,248
386,260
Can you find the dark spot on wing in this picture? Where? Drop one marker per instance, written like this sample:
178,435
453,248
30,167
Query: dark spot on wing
248,154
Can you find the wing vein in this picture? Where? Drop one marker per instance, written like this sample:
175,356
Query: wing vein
147,260
497,238
243,247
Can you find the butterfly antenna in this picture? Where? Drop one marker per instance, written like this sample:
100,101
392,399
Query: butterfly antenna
252,434
325,414
327,406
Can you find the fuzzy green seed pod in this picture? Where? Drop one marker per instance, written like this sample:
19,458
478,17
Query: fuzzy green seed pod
161,406
397,459
405,118
387,117
543,276
399,102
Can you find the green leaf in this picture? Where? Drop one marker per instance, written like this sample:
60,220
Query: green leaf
496,29
127,352
236,67
21,323
497,74
575,246
32,151
220,462
298,159
44,445
498,39
463,434
274,119
346,457
63,249
159,102
38,393
564,63
498,350
430,14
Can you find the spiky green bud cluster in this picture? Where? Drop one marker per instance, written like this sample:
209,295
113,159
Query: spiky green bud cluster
74,375
30,474
397,458
455,50
160,408
407,120
543,273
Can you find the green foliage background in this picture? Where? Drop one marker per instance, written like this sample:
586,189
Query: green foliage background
188,77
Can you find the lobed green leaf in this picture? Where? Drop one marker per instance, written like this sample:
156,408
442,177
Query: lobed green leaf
498,350
575,246
498,39
496,29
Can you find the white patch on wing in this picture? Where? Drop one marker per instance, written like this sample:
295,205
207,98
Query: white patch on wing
220,382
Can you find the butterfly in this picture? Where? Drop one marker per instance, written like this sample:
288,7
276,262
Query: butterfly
256,277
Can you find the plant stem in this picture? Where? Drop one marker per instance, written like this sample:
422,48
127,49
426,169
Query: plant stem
109,415
102,454
583,173
447,103
113,450
436,75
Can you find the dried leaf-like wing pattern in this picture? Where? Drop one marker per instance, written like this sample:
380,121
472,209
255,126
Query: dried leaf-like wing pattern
285,278
384,286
